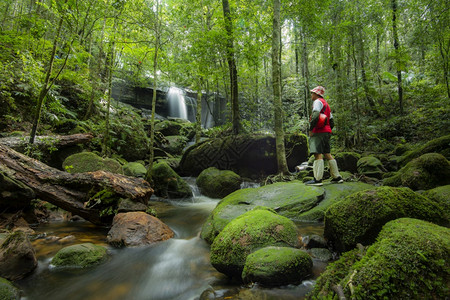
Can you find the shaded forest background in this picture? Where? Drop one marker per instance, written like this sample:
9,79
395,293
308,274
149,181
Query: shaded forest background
384,63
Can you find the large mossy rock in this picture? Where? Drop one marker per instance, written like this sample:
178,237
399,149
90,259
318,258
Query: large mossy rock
276,266
216,183
370,166
251,156
423,173
17,256
81,255
440,145
359,217
90,162
8,291
294,200
347,161
408,261
134,169
137,229
167,183
253,230
441,195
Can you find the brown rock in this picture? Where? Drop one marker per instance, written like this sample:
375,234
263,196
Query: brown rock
17,256
137,229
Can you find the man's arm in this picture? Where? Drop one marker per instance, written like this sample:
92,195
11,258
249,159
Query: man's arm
317,107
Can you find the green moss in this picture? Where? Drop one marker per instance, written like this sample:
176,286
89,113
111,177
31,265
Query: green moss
90,162
359,217
425,172
277,266
106,201
253,230
134,169
440,195
167,183
8,291
439,145
82,255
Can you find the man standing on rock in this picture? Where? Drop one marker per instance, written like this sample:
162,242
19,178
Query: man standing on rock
320,126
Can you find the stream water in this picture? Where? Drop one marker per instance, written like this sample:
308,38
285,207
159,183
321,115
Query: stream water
175,269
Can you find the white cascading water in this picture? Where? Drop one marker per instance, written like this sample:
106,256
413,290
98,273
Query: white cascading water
177,103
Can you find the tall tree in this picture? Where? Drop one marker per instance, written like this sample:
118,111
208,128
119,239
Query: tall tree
397,55
235,116
276,84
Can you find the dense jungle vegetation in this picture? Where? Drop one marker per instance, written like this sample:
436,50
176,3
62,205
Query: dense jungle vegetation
384,63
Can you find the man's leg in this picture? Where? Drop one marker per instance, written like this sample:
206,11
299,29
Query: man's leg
334,170
318,166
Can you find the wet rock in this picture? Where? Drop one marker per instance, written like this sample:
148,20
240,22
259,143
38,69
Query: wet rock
423,173
216,183
14,194
167,183
253,230
8,291
137,229
275,266
409,260
359,217
126,205
314,241
175,144
321,254
17,256
81,255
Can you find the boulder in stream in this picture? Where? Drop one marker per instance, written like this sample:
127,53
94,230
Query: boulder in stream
167,183
251,231
17,256
81,255
8,291
137,229
216,183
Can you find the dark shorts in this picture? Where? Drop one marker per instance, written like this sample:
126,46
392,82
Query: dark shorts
320,143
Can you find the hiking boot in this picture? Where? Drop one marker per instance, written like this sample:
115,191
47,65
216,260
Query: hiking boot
337,180
314,182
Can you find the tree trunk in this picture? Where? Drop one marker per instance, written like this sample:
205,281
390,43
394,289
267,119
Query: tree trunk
397,55
276,84
198,117
235,117
71,192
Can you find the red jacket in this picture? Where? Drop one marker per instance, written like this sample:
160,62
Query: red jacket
327,111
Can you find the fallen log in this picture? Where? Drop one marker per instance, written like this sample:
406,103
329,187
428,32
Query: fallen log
93,196
57,141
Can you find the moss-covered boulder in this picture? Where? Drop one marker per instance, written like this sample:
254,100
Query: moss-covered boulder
169,127
347,161
408,261
175,144
251,156
81,255
440,145
275,266
90,162
167,183
423,173
370,166
8,291
359,217
216,183
293,200
17,256
134,169
441,195
253,230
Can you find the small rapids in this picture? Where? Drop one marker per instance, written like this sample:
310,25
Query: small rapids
177,269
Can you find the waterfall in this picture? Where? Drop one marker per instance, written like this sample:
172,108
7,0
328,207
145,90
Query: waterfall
177,103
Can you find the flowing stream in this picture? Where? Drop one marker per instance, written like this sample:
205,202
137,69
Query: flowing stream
175,269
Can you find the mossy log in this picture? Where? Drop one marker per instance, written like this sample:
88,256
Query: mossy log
57,141
71,192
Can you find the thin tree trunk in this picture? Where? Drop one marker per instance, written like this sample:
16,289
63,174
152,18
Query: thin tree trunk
305,73
276,84
397,54
198,117
235,117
